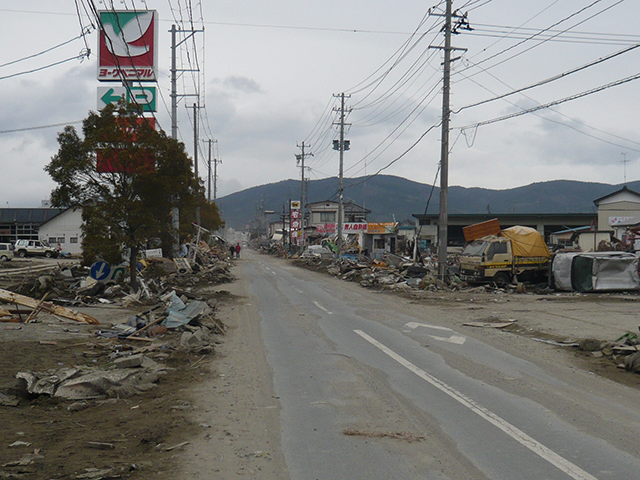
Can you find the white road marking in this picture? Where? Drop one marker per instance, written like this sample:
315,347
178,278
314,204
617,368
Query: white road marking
518,435
456,339
414,325
322,308
298,290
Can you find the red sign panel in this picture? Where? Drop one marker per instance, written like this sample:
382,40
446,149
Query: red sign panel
128,46
121,160
115,157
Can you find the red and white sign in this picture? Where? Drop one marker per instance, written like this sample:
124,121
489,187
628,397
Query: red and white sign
326,228
355,227
296,223
128,46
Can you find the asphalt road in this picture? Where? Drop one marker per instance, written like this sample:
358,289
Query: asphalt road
374,387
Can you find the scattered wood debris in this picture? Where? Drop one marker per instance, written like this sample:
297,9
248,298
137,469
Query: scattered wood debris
15,298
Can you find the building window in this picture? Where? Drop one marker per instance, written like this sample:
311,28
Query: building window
378,243
73,240
327,217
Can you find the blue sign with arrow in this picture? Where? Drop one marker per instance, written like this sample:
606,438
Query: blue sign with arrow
100,271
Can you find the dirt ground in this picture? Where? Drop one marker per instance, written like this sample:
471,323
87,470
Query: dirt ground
220,401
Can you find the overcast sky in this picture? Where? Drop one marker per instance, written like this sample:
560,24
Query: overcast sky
270,70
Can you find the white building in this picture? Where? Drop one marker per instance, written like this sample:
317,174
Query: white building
64,230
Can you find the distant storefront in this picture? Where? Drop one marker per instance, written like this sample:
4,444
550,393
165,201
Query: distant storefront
23,223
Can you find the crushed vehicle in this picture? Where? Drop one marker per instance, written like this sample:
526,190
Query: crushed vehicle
35,248
595,271
317,251
514,253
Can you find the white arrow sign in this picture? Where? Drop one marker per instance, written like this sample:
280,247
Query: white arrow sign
457,339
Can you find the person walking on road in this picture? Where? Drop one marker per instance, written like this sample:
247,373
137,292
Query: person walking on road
238,250
232,251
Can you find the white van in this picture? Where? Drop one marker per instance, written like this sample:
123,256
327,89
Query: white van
6,251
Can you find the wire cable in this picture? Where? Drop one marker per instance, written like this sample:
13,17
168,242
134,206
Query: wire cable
556,102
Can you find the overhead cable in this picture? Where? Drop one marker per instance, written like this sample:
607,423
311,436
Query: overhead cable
556,102
551,79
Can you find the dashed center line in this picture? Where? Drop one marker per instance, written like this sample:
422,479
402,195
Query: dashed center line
322,308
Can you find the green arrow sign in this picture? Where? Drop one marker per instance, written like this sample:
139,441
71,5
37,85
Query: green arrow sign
143,96
111,97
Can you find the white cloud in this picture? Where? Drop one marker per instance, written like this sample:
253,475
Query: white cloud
267,88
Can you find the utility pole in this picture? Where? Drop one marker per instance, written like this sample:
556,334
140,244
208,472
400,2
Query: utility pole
216,162
300,159
195,140
443,222
175,212
195,153
215,171
624,163
174,87
341,145
209,172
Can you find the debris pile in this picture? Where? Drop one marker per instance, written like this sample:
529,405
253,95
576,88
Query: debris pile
393,272
126,370
55,288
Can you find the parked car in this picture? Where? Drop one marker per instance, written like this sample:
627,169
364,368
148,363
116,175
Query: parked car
317,251
35,248
6,251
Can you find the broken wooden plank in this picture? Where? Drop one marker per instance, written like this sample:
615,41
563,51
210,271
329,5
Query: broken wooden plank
36,310
10,297
146,327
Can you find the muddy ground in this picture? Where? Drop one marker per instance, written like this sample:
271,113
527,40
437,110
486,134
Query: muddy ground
145,435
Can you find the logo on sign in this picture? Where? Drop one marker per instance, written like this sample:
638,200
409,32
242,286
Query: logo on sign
128,45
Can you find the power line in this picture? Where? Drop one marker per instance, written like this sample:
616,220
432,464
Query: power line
40,127
551,79
555,102
85,32
531,37
463,131
81,56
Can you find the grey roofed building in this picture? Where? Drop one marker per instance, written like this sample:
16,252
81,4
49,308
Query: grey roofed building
23,223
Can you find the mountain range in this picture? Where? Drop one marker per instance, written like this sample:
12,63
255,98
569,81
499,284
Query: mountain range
392,198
